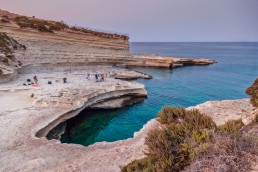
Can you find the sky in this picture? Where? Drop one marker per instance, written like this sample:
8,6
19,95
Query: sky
152,20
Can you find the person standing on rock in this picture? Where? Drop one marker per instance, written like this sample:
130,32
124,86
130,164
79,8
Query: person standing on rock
102,77
35,78
88,76
96,77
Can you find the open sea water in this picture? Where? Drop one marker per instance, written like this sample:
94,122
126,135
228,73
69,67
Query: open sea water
236,69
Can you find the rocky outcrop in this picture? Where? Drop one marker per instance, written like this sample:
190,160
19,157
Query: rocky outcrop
114,103
21,124
252,91
63,45
50,42
169,61
222,111
39,109
8,60
55,51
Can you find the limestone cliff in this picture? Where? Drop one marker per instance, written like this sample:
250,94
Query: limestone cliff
55,42
9,48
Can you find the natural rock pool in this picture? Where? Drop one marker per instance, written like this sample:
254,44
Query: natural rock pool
236,69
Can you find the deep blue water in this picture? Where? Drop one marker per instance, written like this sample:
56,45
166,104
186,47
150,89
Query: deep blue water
236,69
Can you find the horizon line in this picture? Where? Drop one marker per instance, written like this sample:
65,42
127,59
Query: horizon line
193,41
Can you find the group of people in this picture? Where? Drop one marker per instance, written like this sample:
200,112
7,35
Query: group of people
98,77
30,82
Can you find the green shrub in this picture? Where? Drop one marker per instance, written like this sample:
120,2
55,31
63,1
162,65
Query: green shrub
194,118
199,121
231,127
253,92
3,20
22,19
142,165
256,118
199,150
5,16
171,114
43,28
184,135
40,25
227,153
201,136
187,136
58,26
168,147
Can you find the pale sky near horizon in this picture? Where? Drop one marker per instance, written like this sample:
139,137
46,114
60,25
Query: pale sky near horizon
152,20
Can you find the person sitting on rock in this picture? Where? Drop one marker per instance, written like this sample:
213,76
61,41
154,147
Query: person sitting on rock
102,77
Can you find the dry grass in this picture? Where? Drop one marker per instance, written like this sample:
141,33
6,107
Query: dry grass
253,92
190,141
50,26
40,25
227,153
97,33
256,118
231,127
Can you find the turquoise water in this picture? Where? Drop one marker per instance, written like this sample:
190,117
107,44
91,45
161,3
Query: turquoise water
236,69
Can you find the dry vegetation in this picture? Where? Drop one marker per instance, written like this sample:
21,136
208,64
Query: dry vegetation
191,141
40,25
51,26
97,33
253,92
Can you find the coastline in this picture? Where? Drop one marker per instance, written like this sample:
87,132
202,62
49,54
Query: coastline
29,152
28,113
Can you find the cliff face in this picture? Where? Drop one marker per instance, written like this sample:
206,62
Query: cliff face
61,44
9,48
53,45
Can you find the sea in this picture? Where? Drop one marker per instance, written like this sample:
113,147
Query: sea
236,69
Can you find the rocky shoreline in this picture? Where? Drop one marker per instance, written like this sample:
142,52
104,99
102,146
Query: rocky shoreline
28,113
28,124
28,119
67,48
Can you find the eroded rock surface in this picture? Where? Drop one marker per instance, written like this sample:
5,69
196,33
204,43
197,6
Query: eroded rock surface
9,50
55,43
23,126
222,111
28,113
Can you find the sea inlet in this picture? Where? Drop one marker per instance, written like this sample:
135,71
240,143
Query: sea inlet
236,69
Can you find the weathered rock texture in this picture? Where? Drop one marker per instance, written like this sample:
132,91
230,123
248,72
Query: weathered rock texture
8,62
222,111
27,120
23,146
65,46
168,61
54,43
29,113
